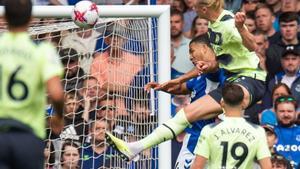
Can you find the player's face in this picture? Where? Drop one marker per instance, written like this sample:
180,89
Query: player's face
176,26
98,131
264,19
290,64
200,52
70,157
201,26
289,30
286,114
202,11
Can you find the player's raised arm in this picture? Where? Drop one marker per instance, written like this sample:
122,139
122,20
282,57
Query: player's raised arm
247,37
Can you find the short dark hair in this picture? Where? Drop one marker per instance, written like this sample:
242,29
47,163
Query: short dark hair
232,94
175,11
288,17
17,12
204,39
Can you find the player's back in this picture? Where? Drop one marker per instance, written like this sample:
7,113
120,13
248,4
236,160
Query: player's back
24,69
234,143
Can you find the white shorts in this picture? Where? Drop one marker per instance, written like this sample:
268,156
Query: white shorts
185,157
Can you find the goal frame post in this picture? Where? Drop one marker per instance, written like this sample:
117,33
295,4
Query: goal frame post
162,13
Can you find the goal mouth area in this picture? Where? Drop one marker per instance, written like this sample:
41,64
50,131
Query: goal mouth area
152,44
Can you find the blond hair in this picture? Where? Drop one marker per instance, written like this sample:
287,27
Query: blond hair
213,4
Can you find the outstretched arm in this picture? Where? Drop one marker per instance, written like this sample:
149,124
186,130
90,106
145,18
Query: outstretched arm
174,86
170,86
247,37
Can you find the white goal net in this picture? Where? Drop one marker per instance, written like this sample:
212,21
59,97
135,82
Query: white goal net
105,71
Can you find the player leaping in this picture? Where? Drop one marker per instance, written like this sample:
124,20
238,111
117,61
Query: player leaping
233,45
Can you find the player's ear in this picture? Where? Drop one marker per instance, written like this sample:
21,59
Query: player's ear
222,103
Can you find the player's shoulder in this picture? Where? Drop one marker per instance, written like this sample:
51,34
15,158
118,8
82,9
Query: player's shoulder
255,127
215,125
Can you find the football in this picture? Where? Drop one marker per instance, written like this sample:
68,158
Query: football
85,14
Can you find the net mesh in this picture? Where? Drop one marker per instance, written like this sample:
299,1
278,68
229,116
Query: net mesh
106,68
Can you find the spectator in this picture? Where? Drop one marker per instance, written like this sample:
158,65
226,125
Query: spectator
199,26
106,109
290,75
288,36
262,43
84,41
179,5
70,155
279,162
182,64
73,72
250,22
91,94
249,5
271,137
287,132
188,17
75,127
275,5
268,116
233,5
264,19
49,155
289,6
97,154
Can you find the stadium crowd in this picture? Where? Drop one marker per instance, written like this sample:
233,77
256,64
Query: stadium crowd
91,77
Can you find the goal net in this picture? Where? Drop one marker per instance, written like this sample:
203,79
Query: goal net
105,71
115,60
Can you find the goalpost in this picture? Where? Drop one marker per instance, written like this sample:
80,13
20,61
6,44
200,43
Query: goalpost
142,34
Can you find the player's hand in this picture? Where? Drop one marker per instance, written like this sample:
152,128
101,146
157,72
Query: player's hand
240,19
202,66
151,85
169,86
56,124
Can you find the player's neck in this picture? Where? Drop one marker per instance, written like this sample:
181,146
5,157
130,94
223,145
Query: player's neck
17,29
233,112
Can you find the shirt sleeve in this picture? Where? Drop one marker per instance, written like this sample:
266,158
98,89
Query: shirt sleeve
51,65
202,147
262,149
190,84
